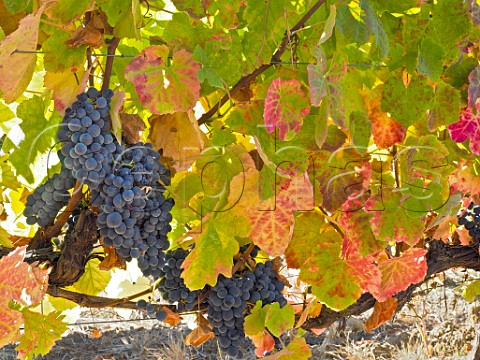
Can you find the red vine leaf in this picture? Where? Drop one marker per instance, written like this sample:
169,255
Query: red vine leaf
263,342
272,224
398,273
16,69
467,127
163,85
382,312
285,107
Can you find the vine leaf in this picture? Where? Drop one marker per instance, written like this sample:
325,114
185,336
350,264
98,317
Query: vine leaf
407,104
398,273
472,291
201,334
316,76
163,85
65,86
385,130
338,282
179,137
20,282
93,281
360,130
464,180
446,106
285,107
358,235
298,349
272,223
467,127
391,222
5,239
16,69
278,320
309,226
473,87
264,343
212,256
68,10
382,312
40,333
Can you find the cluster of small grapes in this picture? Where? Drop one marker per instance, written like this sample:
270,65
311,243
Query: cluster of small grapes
227,303
88,143
172,287
134,215
471,220
45,202
152,310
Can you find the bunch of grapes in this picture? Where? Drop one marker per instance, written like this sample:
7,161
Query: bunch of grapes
46,201
88,143
172,287
266,285
227,303
471,220
134,215
152,310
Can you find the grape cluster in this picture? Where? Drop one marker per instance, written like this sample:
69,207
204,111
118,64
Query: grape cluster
88,143
227,302
152,310
134,215
471,220
45,202
266,285
172,287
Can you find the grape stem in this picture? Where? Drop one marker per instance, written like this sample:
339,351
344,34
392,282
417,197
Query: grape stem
244,258
112,47
55,229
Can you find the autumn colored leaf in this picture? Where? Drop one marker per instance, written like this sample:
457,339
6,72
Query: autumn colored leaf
308,228
464,236
96,334
467,127
278,320
361,130
263,342
17,277
338,175
173,318
407,104
390,221
472,290
338,282
385,130
399,272
179,137
298,349
65,86
111,259
359,236
272,224
201,334
68,10
446,106
254,323
464,180
23,283
212,256
316,76
40,333
5,240
132,127
16,69
445,229
165,86
473,87
382,312
312,310
285,107
93,281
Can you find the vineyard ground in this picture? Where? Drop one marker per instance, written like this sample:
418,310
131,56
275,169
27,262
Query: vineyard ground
438,324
